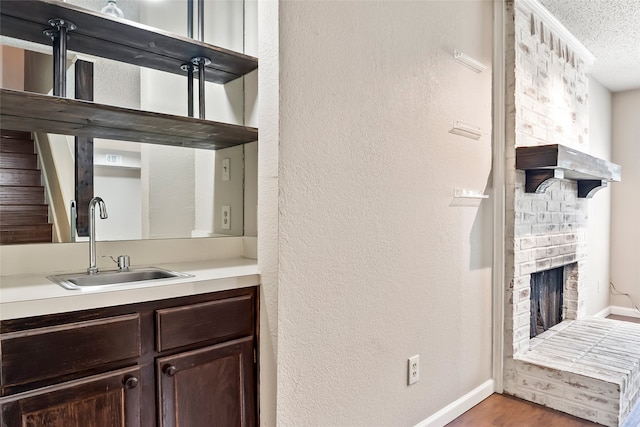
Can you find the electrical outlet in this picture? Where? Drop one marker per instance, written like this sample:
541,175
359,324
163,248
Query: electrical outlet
226,171
413,369
226,217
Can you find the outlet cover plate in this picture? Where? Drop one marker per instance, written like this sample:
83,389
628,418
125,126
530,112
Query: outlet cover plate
413,370
226,217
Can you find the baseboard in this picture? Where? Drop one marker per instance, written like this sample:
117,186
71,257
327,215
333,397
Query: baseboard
460,406
603,313
624,311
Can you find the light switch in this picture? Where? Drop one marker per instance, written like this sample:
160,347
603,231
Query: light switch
226,173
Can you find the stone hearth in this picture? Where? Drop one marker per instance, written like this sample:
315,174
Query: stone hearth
589,368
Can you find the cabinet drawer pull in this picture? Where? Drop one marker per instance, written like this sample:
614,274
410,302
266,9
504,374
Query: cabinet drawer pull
170,370
130,382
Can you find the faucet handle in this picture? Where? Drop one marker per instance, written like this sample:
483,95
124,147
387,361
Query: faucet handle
123,261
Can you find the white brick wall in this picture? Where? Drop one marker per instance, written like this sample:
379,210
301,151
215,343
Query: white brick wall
546,103
549,105
551,86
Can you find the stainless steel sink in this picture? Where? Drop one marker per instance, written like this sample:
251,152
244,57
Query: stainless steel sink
104,279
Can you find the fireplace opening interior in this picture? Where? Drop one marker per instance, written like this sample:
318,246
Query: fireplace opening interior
546,300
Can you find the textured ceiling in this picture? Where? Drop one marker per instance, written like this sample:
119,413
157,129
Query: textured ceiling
610,29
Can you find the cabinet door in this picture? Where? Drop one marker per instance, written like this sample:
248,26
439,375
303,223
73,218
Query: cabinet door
106,400
208,387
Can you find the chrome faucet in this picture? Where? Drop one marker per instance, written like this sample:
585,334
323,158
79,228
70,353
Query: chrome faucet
93,269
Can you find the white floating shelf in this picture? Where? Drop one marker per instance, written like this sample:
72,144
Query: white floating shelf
469,62
460,193
466,130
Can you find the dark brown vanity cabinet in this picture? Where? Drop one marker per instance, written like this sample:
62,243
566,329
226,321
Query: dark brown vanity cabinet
189,362
106,400
207,387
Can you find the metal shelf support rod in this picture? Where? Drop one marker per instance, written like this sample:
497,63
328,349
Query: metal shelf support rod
59,37
201,63
190,19
201,20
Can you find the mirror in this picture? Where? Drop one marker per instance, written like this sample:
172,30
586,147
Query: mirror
154,191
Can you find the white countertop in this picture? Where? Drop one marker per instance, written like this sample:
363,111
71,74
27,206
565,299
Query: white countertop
33,294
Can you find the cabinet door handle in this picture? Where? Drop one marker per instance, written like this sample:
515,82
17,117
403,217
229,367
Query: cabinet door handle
130,382
170,370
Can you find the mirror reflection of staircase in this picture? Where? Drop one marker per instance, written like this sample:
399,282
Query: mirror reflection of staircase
24,215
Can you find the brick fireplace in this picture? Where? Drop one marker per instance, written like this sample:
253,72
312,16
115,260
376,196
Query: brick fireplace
549,231
567,367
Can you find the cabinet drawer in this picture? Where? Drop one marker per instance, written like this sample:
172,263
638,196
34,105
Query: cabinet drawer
216,320
54,351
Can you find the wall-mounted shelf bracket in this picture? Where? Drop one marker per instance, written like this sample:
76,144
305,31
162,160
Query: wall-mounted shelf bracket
588,187
538,180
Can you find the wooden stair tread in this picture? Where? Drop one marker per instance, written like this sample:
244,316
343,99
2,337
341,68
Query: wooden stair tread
12,160
16,187
27,208
17,177
21,195
25,216
13,141
6,208
16,134
10,145
10,227
32,233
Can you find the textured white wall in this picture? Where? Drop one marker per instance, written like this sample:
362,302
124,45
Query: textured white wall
598,226
229,193
268,116
167,191
376,263
251,189
120,189
163,92
625,197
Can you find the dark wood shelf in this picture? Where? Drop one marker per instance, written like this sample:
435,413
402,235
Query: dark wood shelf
32,112
543,164
120,39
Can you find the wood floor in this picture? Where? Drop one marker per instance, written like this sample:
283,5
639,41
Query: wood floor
500,410
506,411
628,319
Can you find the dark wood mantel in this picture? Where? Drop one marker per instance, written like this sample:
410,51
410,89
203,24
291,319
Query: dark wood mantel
543,164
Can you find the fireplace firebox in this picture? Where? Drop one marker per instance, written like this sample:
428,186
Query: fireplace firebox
546,300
